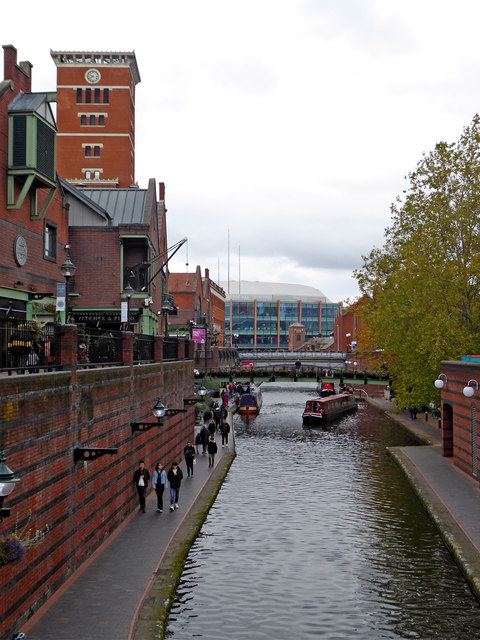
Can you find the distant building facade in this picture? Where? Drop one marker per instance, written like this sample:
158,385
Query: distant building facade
200,301
258,314
96,117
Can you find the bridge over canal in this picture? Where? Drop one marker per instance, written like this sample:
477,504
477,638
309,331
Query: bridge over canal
334,360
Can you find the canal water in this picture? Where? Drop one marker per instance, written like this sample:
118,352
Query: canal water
317,534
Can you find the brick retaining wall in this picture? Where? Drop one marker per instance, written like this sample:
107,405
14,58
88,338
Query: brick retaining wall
43,418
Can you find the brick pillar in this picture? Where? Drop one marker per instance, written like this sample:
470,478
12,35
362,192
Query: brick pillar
127,347
181,348
66,346
158,349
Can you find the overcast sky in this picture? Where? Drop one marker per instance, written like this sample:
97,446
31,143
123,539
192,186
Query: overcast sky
286,125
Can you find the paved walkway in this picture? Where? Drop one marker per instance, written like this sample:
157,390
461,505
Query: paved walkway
103,598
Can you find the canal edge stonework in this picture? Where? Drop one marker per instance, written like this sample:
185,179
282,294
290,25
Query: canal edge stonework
152,618
463,550
457,542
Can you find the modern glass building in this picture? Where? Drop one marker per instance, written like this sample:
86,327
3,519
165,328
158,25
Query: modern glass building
258,314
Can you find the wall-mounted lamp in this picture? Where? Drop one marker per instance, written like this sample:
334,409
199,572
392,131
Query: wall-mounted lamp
8,480
202,391
439,382
159,411
468,391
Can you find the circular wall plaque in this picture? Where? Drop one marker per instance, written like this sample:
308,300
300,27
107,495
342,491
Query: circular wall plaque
20,250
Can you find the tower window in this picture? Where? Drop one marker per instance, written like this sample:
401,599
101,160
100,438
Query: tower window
83,120
97,95
106,96
96,151
50,241
97,175
88,96
88,151
101,120
92,120
79,96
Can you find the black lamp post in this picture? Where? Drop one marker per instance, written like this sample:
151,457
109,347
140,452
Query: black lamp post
8,481
68,270
128,290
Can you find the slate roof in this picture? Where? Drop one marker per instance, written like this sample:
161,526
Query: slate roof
125,206
66,186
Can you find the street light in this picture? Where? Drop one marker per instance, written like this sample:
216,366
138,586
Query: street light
469,391
68,270
159,411
439,383
8,481
128,290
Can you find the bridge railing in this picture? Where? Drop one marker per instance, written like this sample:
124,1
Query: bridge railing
292,355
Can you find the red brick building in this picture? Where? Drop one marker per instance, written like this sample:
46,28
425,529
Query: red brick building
33,221
118,244
199,300
96,117
460,408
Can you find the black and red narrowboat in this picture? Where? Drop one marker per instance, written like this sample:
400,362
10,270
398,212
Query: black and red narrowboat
320,411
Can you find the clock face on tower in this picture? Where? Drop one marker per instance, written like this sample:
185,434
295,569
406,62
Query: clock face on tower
92,76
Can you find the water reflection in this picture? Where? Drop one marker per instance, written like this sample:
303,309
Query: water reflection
316,533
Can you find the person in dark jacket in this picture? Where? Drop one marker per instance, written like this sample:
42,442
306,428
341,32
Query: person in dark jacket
212,427
198,441
204,438
217,415
141,478
189,455
224,430
212,450
207,416
175,477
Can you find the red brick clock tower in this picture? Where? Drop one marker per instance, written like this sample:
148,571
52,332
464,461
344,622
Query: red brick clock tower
96,117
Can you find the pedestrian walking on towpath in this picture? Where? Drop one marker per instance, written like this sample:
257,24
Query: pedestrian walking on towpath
212,450
224,430
212,427
204,438
141,478
207,416
159,482
175,477
189,455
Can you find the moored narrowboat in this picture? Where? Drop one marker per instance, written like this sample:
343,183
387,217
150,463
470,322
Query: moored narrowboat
319,411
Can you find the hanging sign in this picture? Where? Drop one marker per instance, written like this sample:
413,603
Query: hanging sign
199,335
61,295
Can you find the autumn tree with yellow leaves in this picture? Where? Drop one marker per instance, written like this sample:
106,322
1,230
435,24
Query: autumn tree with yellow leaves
422,287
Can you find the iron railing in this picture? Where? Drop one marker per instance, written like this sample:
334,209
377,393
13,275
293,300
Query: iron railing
170,349
31,346
26,345
99,346
143,348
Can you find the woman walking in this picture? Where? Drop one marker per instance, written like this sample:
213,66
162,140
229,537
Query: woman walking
175,477
159,482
